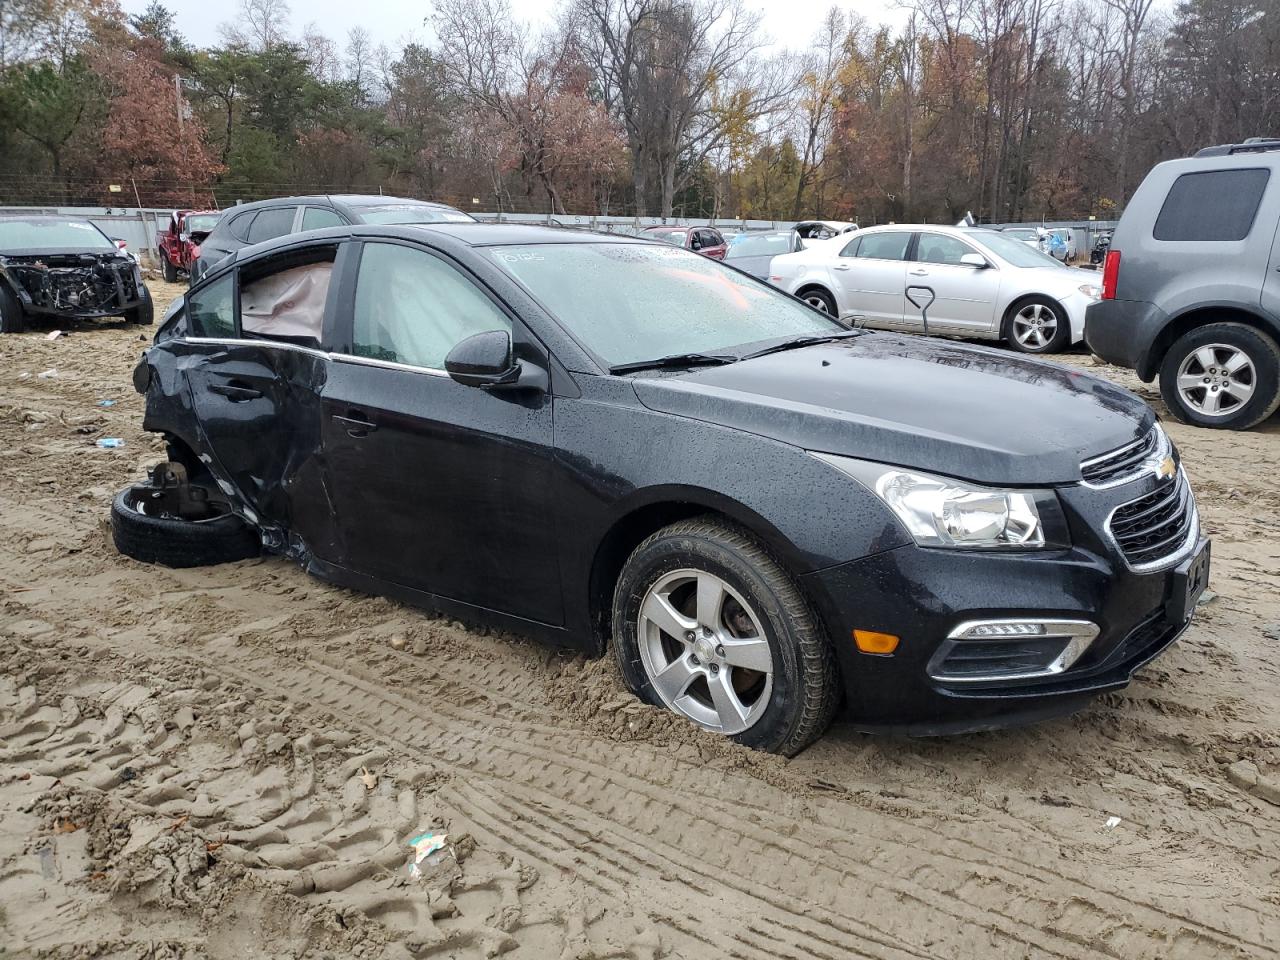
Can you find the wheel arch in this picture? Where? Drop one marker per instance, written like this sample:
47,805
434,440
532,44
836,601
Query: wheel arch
649,511
1201,315
810,285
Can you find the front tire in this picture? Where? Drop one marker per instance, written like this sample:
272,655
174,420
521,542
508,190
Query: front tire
13,318
1223,375
707,623
154,537
169,271
1037,325
144,313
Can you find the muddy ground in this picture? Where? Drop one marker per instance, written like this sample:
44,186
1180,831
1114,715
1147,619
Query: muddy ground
229,762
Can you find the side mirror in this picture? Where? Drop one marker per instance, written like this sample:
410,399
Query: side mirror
975,260
486,360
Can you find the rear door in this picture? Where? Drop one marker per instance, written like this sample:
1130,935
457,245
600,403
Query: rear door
256,364
964,296
713,244
871,272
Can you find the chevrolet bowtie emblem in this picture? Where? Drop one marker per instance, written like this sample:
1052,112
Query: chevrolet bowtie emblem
1166,468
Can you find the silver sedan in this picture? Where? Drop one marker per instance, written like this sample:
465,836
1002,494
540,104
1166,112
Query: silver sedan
952,281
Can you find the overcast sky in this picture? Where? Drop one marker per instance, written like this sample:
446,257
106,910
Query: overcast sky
791,23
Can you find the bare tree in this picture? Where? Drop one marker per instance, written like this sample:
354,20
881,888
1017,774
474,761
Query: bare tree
817,93
260,25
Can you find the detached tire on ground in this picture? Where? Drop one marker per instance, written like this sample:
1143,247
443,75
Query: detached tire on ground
1222,375
173,542
708,623
12,317
144,313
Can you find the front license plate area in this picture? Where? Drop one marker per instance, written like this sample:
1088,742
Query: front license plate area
1190,578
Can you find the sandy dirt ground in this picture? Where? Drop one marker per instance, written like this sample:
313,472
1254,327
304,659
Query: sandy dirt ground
230,762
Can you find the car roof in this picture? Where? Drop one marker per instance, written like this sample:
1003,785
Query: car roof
378,200
500,234
669,227
43,216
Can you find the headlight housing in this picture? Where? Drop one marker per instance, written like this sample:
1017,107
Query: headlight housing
944,512
1092,291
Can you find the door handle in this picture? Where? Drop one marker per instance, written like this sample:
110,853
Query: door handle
842,266
355,426
919,273
235,392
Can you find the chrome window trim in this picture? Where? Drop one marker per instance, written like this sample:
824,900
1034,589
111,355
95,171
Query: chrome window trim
1080,634
1183,551
336,357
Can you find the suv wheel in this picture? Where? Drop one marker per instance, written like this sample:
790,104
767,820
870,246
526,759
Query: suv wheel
168,269
1037,325
1224,375
144,313
708,624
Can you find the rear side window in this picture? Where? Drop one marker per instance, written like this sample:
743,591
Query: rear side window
239,226
883,246
211,310
271,223
1214,205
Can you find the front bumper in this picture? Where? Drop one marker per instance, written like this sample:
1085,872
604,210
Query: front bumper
923,596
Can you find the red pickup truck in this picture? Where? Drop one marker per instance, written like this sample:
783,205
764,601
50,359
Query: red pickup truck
179,242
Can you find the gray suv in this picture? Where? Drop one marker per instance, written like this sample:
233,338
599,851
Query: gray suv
1191,285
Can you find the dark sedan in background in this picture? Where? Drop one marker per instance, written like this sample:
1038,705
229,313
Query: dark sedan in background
265,220
64,269
604,441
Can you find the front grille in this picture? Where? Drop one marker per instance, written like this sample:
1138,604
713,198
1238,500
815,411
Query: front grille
1121,464
1154,527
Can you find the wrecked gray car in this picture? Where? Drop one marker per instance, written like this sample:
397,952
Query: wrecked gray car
63,268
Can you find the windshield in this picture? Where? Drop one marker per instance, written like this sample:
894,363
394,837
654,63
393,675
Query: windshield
628,302
47,234
202,222
1020,234
1008,247
411,213
770,245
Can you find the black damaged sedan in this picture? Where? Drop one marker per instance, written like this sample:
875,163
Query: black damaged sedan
62,268
613,443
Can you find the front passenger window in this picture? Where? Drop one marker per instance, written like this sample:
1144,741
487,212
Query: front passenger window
412,307
936,248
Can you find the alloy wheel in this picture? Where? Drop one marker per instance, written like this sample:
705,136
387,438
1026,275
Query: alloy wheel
818,303
705,651
1035,325
1216,380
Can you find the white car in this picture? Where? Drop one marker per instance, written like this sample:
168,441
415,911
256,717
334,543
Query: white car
812,231
984,284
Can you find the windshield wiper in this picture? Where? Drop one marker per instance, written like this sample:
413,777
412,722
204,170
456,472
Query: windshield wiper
802,342
676,360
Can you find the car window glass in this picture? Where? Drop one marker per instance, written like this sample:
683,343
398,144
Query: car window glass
239,226
317,218
713,238
412,307
851,248
271,223
211,309
937,248
1213,205
287,305
883,246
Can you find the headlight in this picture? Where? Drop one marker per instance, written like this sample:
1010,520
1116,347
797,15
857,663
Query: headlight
1091,291
942,512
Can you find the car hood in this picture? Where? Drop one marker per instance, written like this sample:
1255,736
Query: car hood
970,412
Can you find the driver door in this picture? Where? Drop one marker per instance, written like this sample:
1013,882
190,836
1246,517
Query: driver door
439,487
965,295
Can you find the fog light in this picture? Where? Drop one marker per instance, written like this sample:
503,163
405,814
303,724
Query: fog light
1002,651
869,641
